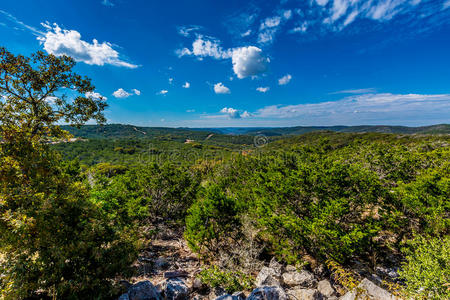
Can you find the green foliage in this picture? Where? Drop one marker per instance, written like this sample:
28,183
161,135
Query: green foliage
53,240
228,280
427,268
211,221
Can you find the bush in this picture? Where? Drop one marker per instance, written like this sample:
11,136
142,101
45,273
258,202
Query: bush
228,280
427,268
211,221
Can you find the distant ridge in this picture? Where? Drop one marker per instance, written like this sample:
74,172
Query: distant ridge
131,131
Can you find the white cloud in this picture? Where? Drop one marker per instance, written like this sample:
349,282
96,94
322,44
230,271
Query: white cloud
137,92
203,47
121,93
233,113
13,19
190,110
285,79
107,3
95,95
248,61
60,42
219,88
446,4
170,80
301,28
186,85
270,22
263,89
248,32
186,30
322,2
287,14
162,92
366,109
356,91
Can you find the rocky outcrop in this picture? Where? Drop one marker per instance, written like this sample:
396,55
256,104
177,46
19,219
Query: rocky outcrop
370,291
143,290
325,288
268,293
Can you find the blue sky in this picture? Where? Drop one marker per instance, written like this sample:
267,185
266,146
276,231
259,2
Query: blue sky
249,63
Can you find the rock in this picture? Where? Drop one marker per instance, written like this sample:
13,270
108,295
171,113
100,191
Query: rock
124,297
368,290
143,290
197,284
235,296
303,278
325,288
268,293
268,276
276,266
175,274
175,289
305,294
161,264
291,268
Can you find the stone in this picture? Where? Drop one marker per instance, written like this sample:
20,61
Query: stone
268,293
143,290
175,274
197,284
161,264
276,266
370,291
304,294
325,288
267,276
302,278
235,296
124,297
291,268
175,289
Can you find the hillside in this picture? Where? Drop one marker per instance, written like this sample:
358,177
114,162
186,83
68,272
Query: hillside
129,131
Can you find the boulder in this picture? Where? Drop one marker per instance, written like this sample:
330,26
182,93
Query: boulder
276,266
368,290
175,289
161,264
143,290
302,278
304,294
235,296
325,288
268,277
124,297
268,293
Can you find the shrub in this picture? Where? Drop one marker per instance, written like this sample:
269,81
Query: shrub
228,280
427,268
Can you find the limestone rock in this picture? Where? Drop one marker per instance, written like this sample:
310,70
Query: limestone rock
368,290
176,289
268,277
304,294
325,288
303,278
268,293
143,290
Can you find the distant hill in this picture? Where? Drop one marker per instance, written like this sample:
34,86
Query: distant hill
119,131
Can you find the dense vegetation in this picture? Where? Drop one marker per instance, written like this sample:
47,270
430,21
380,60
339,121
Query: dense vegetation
73,215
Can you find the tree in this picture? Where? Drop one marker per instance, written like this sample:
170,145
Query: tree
35,94
52,238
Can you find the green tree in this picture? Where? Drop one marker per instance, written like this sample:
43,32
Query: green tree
52,238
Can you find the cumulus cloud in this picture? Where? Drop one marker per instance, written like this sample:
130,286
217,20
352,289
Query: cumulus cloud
233,113
95,95
162,92
219,88
121,93
263,89
285,79
270,22
246,61
186,85
60,42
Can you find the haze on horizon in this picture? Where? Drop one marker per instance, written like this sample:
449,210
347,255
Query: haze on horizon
258,64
